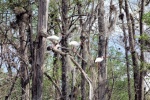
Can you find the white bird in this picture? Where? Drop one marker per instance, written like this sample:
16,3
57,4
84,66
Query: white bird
99,59
53,37
74,43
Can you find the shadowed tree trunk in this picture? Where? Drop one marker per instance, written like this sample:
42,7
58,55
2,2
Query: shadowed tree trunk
37,80
83,64
83,52
64,43
141,81
133,52
102,75
121,16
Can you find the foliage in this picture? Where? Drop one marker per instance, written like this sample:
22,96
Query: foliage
146,39
117,77
146,18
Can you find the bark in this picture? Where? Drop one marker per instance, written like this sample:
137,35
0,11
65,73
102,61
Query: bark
65,83
141,81
73,95
133,52
83,64
38,64
112,86
126,50
23,66
127,60
83,52
64,59
101,52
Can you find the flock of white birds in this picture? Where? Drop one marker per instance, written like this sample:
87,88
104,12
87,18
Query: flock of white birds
71,43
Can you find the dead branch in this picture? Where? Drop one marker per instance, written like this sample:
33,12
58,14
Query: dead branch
86,77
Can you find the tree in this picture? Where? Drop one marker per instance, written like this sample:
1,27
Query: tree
121,16
64,43
39,52
133,52
141,80
76,33
102,75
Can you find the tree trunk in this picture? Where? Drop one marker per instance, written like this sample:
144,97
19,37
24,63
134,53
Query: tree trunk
102,75
133,52
83,64
23,65
37,80
141,81
64,59
126,50
83,52
127,61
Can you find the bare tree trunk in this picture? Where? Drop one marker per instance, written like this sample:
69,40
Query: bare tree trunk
101,52
83,64
64,43
126,49
23,65
133,52
127,60
141,81
83,52
37,80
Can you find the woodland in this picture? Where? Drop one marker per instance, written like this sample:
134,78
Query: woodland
74,49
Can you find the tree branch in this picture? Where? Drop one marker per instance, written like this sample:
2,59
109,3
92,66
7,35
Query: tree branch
49,77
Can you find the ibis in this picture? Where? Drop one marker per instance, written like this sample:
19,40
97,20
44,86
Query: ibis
99,59
53,37
74,43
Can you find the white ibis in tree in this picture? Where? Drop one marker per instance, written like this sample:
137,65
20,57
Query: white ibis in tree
74,43
53,38
99,59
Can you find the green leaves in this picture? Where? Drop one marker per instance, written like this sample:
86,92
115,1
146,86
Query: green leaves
146,40
146,18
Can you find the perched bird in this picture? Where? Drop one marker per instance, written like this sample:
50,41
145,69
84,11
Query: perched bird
99,59
53,38
74,43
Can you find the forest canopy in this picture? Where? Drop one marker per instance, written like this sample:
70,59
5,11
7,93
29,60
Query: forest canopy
75,49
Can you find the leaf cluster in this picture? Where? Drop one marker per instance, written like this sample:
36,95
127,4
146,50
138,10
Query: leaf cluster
146,18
